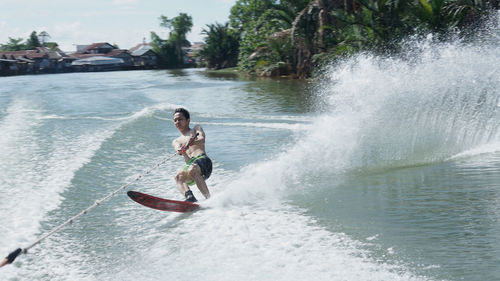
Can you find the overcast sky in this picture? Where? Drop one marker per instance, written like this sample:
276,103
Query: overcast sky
122,22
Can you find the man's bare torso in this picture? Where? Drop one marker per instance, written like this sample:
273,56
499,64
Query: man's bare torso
195,149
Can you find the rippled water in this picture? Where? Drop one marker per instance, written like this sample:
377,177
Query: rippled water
383,170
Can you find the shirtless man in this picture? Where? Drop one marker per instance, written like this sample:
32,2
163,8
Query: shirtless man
191,145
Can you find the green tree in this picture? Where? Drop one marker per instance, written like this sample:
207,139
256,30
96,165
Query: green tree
33,41
167,57
467,14
254,22
171,49
307,32
432,16
159,47
266,32
14,44
375,24
221,46
244,12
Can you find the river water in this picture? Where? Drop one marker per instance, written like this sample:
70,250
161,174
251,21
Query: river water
384,169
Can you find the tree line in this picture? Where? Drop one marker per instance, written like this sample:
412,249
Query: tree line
33,41
294,37
270,37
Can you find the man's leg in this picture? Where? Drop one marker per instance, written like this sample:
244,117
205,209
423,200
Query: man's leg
195,173
182,178
181,181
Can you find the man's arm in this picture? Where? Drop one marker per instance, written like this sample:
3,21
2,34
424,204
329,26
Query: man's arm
198,135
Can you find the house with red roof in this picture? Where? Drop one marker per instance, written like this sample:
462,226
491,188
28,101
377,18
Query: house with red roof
99,48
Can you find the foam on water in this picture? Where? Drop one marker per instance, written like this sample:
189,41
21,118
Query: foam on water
32,177
145,112
255,243
265,118
148,111
36,169
488,148
17,146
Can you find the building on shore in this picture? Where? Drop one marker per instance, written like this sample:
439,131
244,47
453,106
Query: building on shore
143,56
44,60
38,60
87,58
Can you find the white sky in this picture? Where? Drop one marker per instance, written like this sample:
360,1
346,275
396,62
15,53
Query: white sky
124,22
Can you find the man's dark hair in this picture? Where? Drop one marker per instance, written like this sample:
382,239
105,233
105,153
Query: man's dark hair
183,111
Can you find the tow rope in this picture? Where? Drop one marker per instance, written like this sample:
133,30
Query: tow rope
13,255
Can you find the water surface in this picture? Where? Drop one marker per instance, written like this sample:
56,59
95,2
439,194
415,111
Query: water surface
383,170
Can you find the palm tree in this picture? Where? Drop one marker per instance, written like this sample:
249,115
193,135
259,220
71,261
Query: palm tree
14,44
311,31
221,46
470,12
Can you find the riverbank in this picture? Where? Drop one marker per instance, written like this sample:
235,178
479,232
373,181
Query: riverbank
238,73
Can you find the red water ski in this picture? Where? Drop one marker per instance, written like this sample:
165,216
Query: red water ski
162,204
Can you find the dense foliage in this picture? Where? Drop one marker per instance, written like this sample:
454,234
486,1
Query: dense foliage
14,44
293,36
221,46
